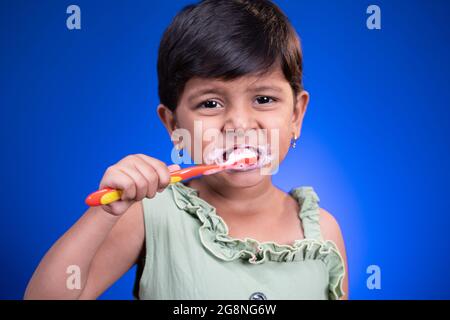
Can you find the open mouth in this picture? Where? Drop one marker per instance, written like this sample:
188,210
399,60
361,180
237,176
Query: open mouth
222,156
246,151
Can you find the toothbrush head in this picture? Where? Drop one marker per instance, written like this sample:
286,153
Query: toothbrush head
244,163
241,159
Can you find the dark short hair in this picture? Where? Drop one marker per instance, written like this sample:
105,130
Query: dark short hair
226,39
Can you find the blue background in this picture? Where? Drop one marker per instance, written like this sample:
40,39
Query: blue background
374,143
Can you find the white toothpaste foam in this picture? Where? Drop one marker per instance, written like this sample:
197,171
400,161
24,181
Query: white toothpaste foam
215,156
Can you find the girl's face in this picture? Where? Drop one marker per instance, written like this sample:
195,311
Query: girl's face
263,108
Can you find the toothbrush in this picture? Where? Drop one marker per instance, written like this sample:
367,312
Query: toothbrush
108,195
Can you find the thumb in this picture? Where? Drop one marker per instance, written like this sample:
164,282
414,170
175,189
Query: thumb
174,167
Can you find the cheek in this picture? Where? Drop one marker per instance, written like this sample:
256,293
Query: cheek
211,131
280,134
280,141
278,127
203,134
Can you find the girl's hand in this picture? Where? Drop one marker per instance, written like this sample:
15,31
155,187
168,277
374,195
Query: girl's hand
138,176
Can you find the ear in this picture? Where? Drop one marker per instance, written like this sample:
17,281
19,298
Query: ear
167,117
300,106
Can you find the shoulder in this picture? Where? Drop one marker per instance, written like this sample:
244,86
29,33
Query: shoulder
329,226
331,230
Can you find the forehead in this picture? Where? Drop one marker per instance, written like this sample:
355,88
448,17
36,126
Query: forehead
273,79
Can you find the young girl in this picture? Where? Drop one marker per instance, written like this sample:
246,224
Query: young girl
232,66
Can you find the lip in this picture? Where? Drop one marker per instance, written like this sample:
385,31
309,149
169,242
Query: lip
247,169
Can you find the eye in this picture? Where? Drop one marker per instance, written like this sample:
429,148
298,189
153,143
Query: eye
209,104
264,100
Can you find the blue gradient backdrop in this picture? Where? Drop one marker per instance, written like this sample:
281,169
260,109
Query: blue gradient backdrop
374,144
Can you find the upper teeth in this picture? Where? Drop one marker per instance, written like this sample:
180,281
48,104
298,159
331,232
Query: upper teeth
238,154
220,155
251,151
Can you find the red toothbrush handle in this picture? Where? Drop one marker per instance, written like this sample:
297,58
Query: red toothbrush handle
109,195
103,196
190,172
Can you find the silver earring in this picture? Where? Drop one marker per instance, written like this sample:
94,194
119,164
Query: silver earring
179,147
294,142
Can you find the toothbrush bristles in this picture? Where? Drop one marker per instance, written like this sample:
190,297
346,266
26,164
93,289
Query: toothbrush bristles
248,161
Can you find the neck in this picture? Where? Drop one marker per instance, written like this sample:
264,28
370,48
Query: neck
249,203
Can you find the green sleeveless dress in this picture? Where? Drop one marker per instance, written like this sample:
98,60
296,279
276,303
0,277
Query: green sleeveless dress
190,256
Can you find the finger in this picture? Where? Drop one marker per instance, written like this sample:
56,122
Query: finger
140,182
173,167
120,180
116,179
117,207
161,169
150,175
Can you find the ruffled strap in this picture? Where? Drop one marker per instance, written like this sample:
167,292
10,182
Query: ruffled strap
310,216
309,211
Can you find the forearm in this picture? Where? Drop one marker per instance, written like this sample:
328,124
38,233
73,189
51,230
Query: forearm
76,248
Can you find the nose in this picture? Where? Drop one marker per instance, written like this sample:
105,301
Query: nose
240,117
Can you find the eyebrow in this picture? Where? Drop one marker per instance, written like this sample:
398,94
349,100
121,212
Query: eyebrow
204,91
264,87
